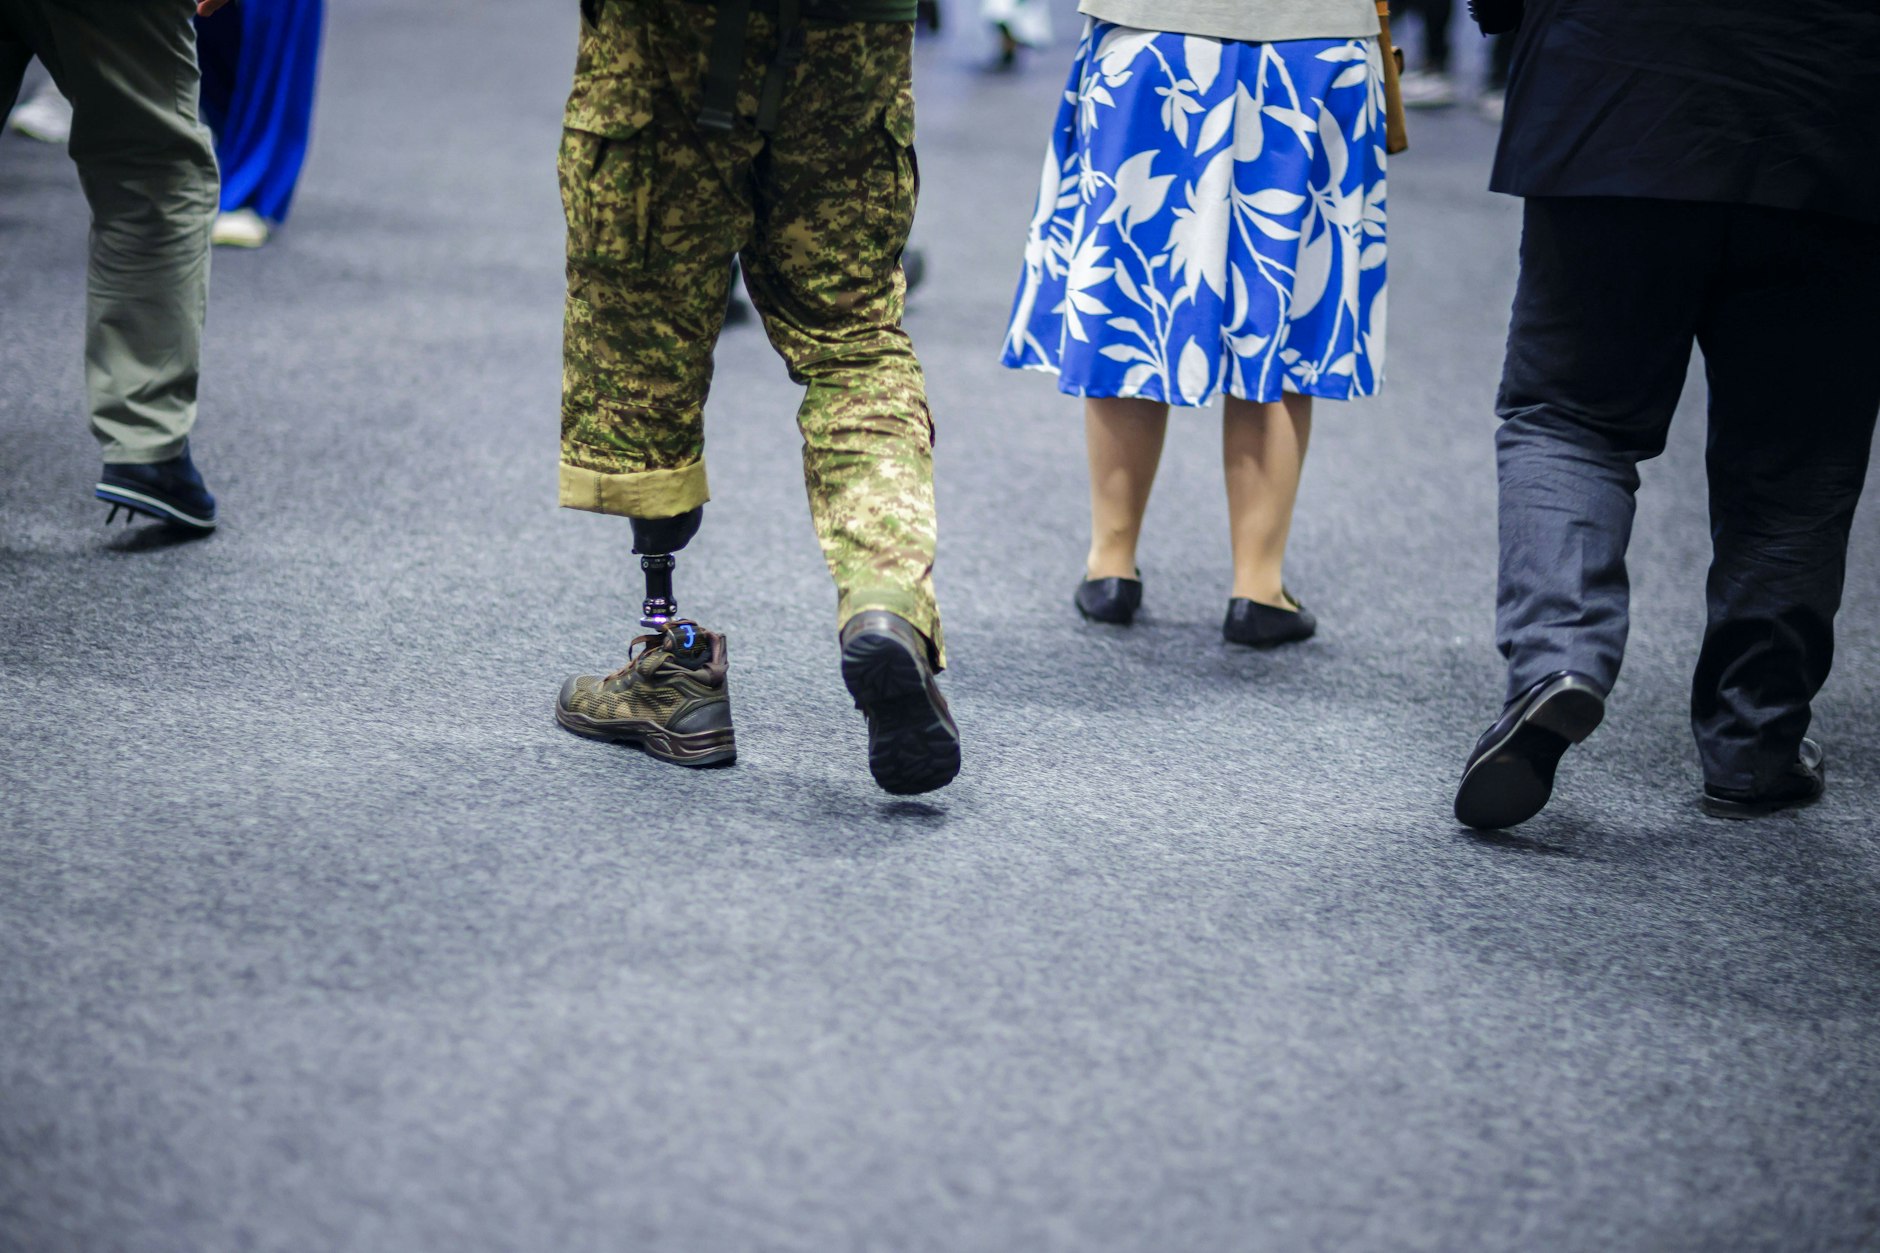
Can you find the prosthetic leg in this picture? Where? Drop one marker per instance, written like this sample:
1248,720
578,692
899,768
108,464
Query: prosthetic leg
670,699
656,540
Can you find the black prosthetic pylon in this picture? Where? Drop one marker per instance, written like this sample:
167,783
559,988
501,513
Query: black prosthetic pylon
660,606
656,540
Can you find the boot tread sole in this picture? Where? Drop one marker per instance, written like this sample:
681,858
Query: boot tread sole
699,749
912,746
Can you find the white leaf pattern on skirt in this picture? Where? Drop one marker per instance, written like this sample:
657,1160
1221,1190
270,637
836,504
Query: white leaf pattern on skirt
1228,231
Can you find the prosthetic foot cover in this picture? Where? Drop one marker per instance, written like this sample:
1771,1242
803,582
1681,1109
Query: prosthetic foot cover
670,700
913,744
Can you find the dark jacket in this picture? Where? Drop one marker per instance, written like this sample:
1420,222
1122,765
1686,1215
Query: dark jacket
1768,102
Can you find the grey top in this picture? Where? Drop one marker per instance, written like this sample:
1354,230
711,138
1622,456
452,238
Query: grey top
1263,20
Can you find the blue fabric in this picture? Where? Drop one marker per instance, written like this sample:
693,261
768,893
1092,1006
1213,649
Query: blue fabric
1210,218
260,61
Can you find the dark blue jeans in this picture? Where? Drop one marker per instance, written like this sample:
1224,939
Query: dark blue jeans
1612,295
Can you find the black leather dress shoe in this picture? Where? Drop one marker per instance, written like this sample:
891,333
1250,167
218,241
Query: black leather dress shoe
1802,784
1266,626
1109,600
1510,775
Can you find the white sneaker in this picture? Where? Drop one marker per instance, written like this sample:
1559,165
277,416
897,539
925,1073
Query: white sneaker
46,117
1492,105
244,228
1426,89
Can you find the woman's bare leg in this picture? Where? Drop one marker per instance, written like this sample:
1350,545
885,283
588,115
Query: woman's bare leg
1263,449
1124,440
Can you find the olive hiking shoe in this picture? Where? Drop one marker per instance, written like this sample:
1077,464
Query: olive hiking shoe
670,699
913,745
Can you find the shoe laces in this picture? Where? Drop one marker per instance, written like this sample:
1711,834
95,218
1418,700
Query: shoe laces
651,643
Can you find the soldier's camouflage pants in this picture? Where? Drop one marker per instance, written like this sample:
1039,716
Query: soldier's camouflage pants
819,210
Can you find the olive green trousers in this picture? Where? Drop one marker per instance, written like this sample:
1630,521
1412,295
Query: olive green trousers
147,166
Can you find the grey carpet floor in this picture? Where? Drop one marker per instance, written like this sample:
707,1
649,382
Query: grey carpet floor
317,934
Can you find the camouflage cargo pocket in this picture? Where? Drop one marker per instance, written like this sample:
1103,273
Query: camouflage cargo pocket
608,178
893,204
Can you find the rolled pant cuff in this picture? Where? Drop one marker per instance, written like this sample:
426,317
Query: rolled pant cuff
635,494
918,610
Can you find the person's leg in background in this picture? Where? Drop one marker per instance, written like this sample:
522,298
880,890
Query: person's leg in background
45,115
1429,85
836,196
1596,359
1495,85
148,171
15,56
1787,458
1018,24
260,70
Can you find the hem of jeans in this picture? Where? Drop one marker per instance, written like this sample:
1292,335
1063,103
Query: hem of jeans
902,604
634,493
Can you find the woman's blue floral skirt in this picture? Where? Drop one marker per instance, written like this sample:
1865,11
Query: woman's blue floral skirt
1211,218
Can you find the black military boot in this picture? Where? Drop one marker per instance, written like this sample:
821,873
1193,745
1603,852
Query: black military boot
913,745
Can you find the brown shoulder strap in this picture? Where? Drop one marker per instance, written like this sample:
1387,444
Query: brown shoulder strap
1396,131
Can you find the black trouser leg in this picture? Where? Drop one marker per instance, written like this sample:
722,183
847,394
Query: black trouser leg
1500,54
1437,15
15,56
1791,425
1604,316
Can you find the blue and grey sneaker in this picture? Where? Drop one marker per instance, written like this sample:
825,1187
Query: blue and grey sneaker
169,491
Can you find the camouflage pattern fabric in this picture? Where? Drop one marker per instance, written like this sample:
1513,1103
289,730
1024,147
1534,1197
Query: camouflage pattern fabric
819,212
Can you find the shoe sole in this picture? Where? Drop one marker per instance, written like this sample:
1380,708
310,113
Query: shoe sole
1726,807
1272,641
697,750
1123,617
150,506
1513,780
913,746
1721,807
1127,619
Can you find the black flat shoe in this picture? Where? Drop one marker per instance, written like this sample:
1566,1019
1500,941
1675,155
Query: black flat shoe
1802,784
1510,775
1266,626
1109,600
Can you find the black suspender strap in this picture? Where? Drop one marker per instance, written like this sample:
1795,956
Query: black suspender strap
720,104
789,52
